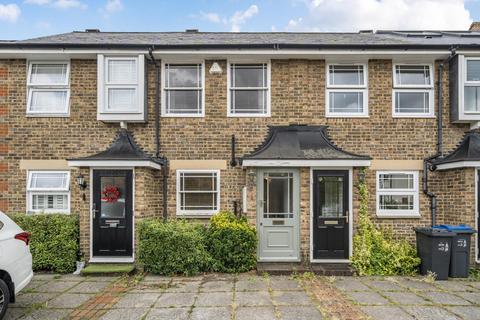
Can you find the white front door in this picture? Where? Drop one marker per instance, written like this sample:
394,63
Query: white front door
278,218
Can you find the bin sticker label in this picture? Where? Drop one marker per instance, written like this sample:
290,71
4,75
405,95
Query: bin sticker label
443,246
462,243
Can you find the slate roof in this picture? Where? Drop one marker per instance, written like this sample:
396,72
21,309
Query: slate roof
300,142
123,148
271,40
467,150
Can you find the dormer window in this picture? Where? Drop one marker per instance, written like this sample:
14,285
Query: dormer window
121,91
472,86
48,88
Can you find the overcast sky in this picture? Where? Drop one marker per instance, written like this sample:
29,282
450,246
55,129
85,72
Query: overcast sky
30,18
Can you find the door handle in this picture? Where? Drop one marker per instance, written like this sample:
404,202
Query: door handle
94,210
346,216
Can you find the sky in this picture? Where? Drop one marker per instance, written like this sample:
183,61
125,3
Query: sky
25,19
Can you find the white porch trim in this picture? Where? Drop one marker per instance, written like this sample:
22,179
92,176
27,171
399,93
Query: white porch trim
307,163
114,163
458,165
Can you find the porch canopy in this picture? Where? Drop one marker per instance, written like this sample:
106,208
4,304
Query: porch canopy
301,146
123,152
466,155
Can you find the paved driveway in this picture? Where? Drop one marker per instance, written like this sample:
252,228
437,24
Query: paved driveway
412,297
245,297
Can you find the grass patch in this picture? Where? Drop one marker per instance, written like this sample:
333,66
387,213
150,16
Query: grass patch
107,268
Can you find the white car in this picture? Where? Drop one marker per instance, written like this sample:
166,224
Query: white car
15,261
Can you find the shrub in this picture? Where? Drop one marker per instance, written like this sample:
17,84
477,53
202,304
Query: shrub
174,247
375,251
54,240
232,243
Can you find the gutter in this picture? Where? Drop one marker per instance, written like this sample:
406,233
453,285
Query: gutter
427,165
157,133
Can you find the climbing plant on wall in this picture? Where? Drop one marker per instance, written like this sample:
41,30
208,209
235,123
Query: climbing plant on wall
375,251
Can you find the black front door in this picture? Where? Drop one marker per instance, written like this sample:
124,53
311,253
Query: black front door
112,213
330,214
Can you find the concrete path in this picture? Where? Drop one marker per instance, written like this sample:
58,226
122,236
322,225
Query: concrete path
412,297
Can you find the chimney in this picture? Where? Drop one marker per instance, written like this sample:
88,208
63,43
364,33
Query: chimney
191,30
92,30
475,26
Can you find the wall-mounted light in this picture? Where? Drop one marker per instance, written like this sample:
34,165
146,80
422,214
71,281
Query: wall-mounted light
215,69
82,184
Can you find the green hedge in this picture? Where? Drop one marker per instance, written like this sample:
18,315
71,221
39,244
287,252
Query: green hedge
54,240
228,244
175,247
232,243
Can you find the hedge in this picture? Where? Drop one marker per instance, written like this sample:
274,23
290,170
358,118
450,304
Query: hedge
228,244
54,240
232,243
175,247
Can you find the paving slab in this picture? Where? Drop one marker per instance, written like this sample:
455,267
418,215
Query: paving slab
473,297
368,298
173,299
33,285
417,284
351,284
154,277
14,313
466,313
444,298
284,284
383,285
69,300
56,286
430,313
475,285
405,298
211,299
125,314
28,299
48,314
183,286
256,298
202,313
255,313
150,286
299,313
386,312
216,286
137,300
453,285
101,278
72,277
45,276
294,298
89,287
252,284
168,313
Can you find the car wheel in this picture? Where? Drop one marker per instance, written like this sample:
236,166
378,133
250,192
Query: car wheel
4,298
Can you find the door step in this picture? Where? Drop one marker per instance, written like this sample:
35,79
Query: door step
323,269
108,269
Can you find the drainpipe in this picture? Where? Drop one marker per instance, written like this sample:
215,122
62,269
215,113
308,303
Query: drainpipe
233,159
427,166
157,134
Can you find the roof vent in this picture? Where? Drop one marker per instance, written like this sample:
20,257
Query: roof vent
191,30
92,30
365,31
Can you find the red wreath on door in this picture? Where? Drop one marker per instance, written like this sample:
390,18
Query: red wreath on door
110,194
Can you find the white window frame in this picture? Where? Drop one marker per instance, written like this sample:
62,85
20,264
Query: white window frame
64,87
197,212
267,88
384,213
164,112
47,191
346,88
413,89
467,83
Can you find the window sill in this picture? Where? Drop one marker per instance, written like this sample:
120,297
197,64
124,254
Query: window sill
398,216
413,116
169,115
195,216
248,115
47,115
347,116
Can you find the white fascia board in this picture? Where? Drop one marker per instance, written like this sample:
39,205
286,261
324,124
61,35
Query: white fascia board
114,163
458,165
306,163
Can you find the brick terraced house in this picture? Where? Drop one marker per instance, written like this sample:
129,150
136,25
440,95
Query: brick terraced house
117,127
